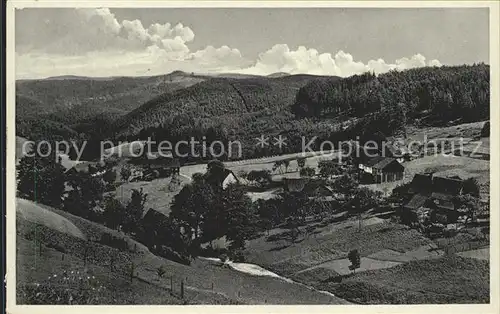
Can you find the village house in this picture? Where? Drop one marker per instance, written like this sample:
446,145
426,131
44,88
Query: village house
381,170
161,166
294,184
432,197
230,178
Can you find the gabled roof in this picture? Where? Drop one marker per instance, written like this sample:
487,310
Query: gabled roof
295,184
417,201
375,160
157,161
384,163
421,183
381,162
447,185
441,196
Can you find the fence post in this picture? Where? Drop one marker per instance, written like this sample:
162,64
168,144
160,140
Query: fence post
212,286
132,268
62,257
182,289
171,284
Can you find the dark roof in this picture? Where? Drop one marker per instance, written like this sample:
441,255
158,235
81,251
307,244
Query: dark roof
392,151
417,201
441,196
447,185
375,160
294,184
443,203
421,183
158,162
382,162
153,216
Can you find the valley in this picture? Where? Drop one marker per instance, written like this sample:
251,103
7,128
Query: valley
272,226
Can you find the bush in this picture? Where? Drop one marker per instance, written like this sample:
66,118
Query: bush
160,271
115,242
307,172
73,287
168,253
485,131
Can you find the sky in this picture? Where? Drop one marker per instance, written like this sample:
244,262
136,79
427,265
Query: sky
326,41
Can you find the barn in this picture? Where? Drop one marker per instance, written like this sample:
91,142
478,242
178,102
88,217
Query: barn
381,170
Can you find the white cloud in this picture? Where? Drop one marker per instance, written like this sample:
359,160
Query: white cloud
223,58
93,42
280,58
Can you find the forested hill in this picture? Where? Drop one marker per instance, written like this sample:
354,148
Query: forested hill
216,98
70,99
432,94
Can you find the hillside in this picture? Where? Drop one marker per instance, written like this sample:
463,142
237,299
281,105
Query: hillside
84,103
433,95
54,254
233,103
122,93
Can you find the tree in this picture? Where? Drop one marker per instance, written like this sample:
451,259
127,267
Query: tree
329,168
125,173
471,187
240,218
216,173
467,205
261,177
286,163
485,131
114,212
109,177
301,162
86,193
345,185
355,260
278,166
190,210
363,200
307,172
134,210
41,179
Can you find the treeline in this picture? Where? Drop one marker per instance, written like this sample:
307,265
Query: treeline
435,95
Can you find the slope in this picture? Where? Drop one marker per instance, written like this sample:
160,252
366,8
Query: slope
204,283
234,103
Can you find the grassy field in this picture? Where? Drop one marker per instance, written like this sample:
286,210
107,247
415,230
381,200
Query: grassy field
445,166
33,212
160,192
451,279
204,283
331,242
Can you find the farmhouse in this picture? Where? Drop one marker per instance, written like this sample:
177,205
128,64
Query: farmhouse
229,178
95,169
381,170
433,195
294,184
163,166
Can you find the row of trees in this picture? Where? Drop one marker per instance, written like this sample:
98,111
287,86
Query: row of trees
42,178
447,93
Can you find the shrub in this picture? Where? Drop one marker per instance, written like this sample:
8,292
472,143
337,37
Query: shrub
307,172
71,287
160,271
